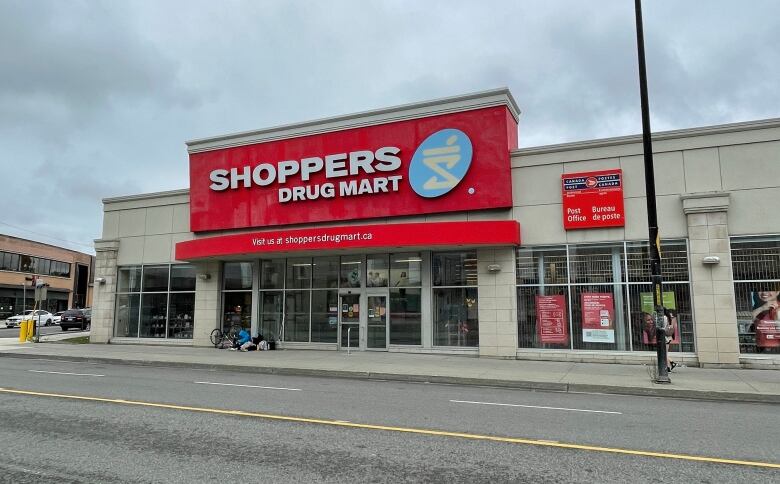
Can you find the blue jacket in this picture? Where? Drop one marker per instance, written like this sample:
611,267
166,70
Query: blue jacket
243,336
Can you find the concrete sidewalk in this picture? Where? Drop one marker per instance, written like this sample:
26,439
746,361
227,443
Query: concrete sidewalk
697,383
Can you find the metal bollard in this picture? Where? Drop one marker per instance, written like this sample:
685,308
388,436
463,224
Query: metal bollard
349,339
22,331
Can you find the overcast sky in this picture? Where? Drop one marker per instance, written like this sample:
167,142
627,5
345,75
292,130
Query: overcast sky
98,98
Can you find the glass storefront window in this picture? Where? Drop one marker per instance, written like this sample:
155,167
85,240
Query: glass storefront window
378,270
154,315
271,314
755,264
237,275
455,268
677,300
326,272
543,316
162,313
542,265
351,271
593,296
127,314
455,321
406,270
237,310
596,264
129,279
155,279
182,277
405,316
272,274
296,308
298,273
324,316
598,317
181,311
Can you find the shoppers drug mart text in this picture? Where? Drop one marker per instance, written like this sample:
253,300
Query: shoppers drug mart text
339,165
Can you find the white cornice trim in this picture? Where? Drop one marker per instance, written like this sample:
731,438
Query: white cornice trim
146,196
466,102
660,136
705,202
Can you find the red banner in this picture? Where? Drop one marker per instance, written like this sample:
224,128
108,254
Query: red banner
445,163
598,317
593,199
552,325
417,235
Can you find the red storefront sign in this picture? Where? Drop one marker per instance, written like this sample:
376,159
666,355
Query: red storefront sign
444,163
552,325
418,235
598,317
593,199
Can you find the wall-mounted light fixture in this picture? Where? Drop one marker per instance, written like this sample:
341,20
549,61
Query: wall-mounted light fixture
710,260
494,268
204,276
100,280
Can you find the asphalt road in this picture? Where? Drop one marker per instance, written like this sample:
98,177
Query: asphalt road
356,431
14,332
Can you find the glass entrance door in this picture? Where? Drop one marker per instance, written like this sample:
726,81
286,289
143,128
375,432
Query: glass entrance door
349,321
376,334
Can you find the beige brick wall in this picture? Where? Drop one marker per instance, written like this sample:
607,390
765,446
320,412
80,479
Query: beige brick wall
712,286
497,303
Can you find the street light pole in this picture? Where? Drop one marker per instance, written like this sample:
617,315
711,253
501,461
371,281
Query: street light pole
652,215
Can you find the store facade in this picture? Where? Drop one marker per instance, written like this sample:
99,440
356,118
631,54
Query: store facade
400,230
68,273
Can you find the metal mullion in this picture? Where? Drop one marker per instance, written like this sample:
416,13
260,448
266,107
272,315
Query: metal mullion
168,304
569,304
628,298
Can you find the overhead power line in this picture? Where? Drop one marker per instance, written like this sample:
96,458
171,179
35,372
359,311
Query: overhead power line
45,235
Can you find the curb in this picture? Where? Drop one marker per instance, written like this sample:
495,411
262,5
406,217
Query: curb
434,379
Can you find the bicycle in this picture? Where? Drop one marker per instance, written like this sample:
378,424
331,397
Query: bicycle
219,338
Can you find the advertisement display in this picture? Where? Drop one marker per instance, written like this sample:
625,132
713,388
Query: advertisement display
598,317
593,199
766,324
648,325
552,325
443,163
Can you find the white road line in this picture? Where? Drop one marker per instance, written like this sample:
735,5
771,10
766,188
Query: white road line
246,386
536,406
65,373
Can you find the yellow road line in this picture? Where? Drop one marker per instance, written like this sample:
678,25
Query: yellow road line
409,430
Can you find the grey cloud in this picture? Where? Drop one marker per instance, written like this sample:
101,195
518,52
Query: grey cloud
97,98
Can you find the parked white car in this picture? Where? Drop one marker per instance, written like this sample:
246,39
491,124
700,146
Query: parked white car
57,317
42,318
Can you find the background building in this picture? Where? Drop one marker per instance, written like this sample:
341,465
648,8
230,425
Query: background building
425,271
68,273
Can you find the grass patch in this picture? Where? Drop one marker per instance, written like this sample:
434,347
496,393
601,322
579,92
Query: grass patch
78,340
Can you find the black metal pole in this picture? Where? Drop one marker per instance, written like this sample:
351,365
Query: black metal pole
652,214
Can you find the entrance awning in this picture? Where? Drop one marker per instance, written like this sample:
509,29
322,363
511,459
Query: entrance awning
405,235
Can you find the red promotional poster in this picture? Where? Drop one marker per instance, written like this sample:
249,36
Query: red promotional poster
552,325
444,163
593,199
598,317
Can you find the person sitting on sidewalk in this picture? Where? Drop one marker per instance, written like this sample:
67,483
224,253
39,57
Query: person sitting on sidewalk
242,339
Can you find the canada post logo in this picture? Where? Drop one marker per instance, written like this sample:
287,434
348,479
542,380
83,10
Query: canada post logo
440,163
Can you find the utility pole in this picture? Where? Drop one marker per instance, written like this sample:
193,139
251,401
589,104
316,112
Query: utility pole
652,215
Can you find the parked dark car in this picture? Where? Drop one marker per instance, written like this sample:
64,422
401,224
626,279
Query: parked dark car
76,318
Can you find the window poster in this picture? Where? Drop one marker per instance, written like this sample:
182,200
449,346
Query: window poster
648,324
598,317
552,325
766,320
